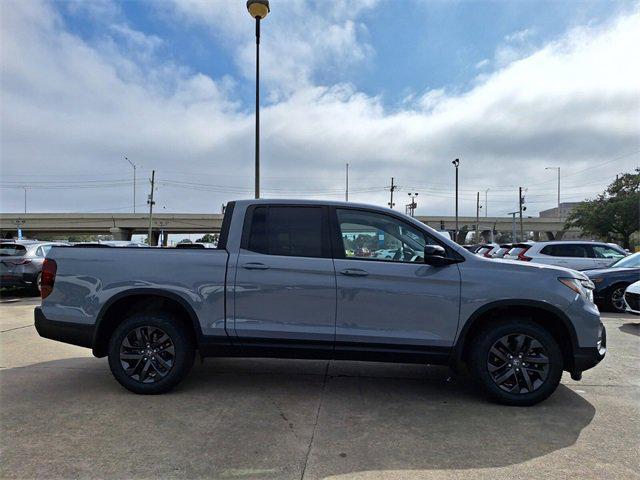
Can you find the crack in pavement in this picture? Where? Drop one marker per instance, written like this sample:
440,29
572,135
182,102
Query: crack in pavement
16,328
315,424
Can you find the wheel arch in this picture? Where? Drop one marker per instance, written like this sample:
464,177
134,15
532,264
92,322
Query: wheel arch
549,316
137,300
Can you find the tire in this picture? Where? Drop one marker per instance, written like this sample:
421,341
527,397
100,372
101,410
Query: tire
615,298
150,353
37,285
516,380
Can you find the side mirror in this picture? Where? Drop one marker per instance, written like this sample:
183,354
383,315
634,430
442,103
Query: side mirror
433,251
435,255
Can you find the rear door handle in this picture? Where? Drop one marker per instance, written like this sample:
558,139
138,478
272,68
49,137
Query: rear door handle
255,266
354,272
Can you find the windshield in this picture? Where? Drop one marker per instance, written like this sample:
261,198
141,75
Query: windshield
12,250
632,261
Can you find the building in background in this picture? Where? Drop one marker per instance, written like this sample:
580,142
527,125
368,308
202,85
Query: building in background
565,210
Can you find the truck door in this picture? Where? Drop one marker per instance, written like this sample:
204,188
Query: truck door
391,302
285,287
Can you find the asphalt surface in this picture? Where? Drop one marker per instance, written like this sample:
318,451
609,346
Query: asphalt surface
62,415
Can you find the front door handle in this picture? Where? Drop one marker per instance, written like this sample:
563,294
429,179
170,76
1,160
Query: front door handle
354,272
255,266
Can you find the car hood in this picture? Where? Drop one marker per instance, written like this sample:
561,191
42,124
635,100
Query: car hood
600,272
530,267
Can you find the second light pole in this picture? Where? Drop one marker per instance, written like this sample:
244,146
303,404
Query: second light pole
456,163
258,9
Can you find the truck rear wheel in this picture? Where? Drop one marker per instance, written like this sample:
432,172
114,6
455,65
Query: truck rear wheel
150,353
516,361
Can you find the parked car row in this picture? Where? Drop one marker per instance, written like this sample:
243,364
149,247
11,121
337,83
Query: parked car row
577,255
609,266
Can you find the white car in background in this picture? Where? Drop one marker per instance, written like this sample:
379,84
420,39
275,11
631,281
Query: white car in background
632,298
573,254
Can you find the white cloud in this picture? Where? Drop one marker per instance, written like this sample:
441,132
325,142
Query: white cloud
69,108
299,39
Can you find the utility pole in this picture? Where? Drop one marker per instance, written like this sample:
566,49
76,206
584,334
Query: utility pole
486,202
392,188
411,208
25,199
134,181
521,208
151,204
513,226
477,217
456,163
346,192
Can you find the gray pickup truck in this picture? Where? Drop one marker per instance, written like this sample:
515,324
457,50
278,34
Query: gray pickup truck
307,279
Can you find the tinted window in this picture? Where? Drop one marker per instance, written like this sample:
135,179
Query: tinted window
566,250
601,251
291,231
11,249
375,236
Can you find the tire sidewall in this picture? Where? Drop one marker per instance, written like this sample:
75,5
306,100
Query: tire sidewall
183,345
485,340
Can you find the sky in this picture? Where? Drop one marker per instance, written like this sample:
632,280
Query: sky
393,88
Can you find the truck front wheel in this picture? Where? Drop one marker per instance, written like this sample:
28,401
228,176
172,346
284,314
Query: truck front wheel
150,353
516,361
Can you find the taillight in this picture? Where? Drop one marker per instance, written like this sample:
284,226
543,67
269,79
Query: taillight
523,257
48,277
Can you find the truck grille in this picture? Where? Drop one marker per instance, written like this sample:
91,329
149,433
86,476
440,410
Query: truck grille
633,300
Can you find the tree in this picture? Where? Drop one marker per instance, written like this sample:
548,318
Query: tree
614,214
207,238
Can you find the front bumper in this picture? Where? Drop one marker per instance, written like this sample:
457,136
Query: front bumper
66,332
585,358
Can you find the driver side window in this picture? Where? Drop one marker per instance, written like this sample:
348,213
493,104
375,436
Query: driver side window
375,236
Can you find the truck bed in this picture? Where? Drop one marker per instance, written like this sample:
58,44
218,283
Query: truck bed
88,279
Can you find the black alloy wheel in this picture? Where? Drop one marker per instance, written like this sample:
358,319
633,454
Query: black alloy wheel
151,352
147,354
518,363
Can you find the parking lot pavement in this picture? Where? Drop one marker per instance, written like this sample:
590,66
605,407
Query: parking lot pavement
63,416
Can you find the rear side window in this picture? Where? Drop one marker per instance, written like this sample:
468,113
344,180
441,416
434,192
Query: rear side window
12,250
290,231
568,250
600,251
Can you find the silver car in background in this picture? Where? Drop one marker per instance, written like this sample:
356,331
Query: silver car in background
21,262
573,254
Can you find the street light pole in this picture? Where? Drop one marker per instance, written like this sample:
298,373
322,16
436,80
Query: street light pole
258,9
558,169
456,163
134,182
346,192
486,202
25,199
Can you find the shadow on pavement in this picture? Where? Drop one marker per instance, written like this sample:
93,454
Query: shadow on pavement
632,328
250,418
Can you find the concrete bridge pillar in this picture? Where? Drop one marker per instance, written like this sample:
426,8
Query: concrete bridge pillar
155,238
121,233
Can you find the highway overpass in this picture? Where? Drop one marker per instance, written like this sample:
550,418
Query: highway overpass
123,225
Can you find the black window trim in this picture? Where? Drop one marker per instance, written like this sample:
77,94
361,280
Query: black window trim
338,246
326,244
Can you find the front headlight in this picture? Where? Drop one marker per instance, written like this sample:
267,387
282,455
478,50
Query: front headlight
582,287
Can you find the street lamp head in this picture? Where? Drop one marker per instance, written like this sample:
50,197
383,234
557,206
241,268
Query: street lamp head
258,8
456,162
